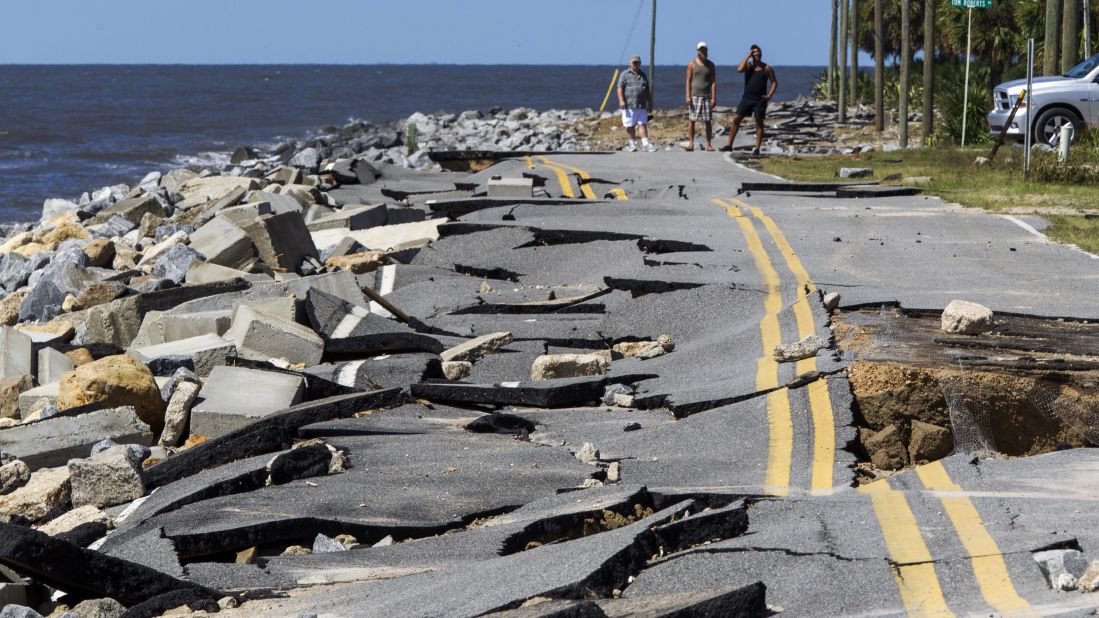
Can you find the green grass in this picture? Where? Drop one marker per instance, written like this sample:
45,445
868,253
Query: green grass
1053,190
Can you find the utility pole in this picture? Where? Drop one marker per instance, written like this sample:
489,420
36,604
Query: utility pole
855,52
832,53
928,70
1052,42
652,55
906,53
1070,35
1087,28
879,69
844,33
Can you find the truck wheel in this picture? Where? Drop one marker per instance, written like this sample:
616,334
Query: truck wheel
1049,123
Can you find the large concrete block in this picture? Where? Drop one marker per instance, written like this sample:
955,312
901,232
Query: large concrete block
245,213
131,209
161,327
56,440
52,365
232,397
398,236
510,187
282,240
279,204
283,308
205,351
204,272
352,218
262,337
16,353
223,243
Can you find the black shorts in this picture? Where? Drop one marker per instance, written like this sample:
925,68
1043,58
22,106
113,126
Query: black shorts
751,106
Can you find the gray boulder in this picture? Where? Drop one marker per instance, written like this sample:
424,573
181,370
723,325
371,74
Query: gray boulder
174,263
105,479
308,159
58,280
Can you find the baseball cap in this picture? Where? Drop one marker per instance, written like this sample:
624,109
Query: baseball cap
702,44
635,58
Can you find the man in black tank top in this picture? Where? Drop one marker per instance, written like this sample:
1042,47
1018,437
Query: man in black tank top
757,75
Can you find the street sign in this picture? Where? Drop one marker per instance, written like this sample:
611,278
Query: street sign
971,4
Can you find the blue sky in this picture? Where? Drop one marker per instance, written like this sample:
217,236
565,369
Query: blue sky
792,32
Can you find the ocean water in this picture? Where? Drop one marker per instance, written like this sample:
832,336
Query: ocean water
69,129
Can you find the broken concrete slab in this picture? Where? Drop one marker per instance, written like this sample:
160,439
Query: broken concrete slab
201,353
177,414
233,397
56,440
16,354
105,479
203,272
199,191
52,365
400,236
266,435
85,572
352,218
282,240
551,366
262,337
383,371
29,399
117,322
223,243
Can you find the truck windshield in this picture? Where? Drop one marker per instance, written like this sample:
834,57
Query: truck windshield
1085,67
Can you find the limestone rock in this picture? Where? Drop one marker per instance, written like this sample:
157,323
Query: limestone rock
79,516
115,381
831,301
587,453
476,348
99,292
1063,568
358,263
63,232
456,370
886,449
178,413
929,442
550,366
806,348
1089,581
106,479
80,356
13,475
9,308
10,390
325,545
644,349
47,492
966,318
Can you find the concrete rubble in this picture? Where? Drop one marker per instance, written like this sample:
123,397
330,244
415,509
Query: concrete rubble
335,378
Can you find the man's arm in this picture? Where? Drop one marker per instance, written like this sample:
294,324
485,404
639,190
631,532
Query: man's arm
690,72
774,83
713,85
743,66
621,97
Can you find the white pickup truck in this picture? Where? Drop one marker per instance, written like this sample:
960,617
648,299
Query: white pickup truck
1056,100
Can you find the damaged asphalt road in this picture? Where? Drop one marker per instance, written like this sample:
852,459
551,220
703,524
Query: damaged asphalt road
578,412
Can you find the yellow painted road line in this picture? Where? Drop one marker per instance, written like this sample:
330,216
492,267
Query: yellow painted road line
824,437
619,194
584,177
530,162
562,179
820,402
987,559
913,570
780,421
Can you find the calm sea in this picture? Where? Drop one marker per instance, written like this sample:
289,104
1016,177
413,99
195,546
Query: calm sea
69,129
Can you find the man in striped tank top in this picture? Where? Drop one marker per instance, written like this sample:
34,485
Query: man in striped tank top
701,95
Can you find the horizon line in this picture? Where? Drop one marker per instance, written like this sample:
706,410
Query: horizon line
329,64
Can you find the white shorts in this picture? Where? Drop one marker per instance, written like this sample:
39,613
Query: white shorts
631,117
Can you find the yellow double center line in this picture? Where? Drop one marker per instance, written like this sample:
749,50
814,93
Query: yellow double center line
562,177
779,416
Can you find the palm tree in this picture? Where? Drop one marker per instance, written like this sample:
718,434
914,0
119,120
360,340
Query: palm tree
1053,24
1070,35
879,69
902,113
844,35
928,69
854,52
832,52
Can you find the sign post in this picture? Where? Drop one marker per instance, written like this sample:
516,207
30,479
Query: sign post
968,4
1028,134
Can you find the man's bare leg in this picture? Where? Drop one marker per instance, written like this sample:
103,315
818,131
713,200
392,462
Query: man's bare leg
691,135
709,135
759,133
734,128
644,131
632,132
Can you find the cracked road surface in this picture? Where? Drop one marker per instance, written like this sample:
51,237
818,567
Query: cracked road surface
732,484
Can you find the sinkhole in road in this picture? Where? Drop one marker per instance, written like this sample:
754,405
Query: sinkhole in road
1028,385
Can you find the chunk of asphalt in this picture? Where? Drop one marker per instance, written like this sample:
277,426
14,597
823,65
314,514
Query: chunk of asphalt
746,601
556,393
554,609
501,423
85,534
872,192
236,477
56,440
723,523
384,371
266,435
149,547
351,329
85,572
195,600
